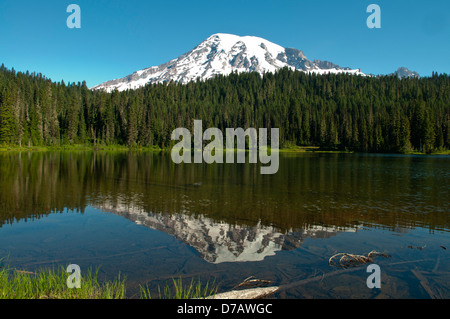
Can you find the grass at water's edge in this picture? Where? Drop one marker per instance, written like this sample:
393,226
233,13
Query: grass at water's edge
124,148
181,290
52,284
76,147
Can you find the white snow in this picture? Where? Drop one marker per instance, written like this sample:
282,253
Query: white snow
214,56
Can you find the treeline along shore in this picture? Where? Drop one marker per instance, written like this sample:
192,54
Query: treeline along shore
338,112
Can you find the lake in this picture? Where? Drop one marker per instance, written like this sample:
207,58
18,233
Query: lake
152,220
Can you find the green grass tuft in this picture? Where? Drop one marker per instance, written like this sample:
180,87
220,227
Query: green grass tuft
180,290
52,284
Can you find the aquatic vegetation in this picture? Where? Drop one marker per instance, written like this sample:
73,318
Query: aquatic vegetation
181,290
51,284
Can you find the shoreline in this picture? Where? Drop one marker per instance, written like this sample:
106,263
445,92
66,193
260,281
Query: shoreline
124,148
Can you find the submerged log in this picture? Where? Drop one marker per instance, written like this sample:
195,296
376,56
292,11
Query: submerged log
253,293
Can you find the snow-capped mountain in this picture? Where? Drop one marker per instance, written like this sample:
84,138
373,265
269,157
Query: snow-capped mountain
222,54
403,72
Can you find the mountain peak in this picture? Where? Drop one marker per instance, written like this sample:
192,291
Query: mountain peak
222,54
403,72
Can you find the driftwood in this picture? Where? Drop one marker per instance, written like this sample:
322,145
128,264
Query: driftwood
426,285
345,261
351,260
259,293
252,281
252,293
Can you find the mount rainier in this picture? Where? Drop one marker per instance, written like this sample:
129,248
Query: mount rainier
222,54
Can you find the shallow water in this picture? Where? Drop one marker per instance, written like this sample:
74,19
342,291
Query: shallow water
152,220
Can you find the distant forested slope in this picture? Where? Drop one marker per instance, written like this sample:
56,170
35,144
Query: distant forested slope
373,114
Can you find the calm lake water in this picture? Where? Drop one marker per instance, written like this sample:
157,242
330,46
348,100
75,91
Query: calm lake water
152,220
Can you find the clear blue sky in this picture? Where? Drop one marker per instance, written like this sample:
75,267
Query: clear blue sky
119,37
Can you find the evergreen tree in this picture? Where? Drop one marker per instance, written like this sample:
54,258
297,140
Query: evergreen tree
7,124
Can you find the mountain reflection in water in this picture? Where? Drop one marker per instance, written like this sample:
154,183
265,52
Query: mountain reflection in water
219,242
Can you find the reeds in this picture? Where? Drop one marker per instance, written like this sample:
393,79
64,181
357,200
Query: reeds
52,284
180,290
